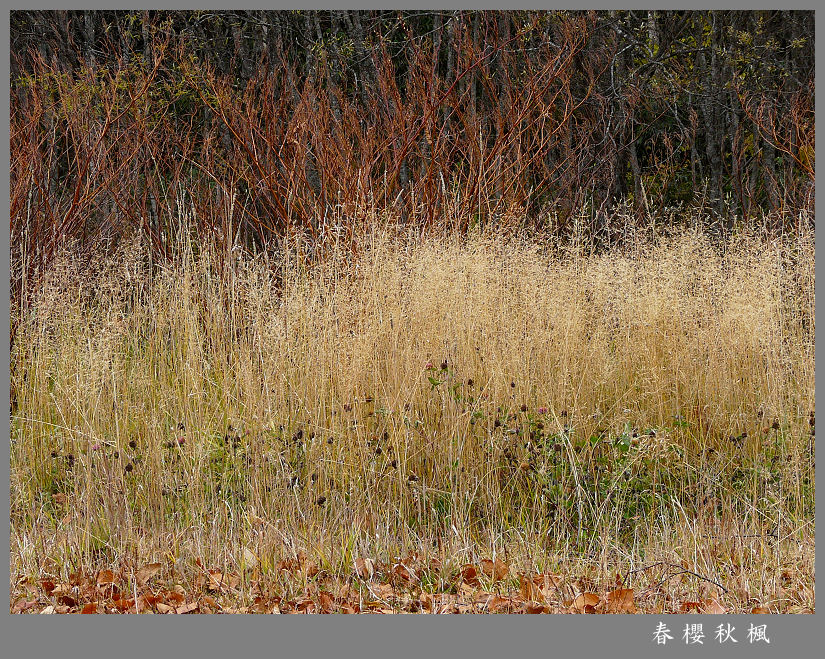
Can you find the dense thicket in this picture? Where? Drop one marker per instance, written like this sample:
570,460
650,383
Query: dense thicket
251,124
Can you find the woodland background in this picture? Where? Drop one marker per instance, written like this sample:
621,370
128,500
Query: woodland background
264,123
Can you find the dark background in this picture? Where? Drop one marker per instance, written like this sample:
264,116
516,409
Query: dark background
250,125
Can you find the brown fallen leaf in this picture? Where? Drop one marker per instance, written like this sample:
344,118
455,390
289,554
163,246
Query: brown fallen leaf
105,578
687,607
759,609
29,587
149,599
547,580
147,572
61,589
404,573
620,601
23,605
124,605
216,581
497,604
496,570
384,591
288,565
426,601
305,606
164,608
548,585
48,586
528,590
67,600
174,597
532,608
466,590
585,603
364,567
187,608
712,606
325,601
345,592
469,573
89,608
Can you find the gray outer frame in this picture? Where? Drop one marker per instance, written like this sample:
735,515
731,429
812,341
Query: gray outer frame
381,636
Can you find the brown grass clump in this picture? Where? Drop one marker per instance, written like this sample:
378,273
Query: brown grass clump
586,415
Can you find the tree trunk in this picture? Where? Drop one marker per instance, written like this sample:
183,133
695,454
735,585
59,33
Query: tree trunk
89,37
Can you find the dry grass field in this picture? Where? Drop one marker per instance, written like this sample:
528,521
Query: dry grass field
438,424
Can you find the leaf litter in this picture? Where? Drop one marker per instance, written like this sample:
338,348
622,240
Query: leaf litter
405,585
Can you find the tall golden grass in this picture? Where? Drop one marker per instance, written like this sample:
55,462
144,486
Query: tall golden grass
458,397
